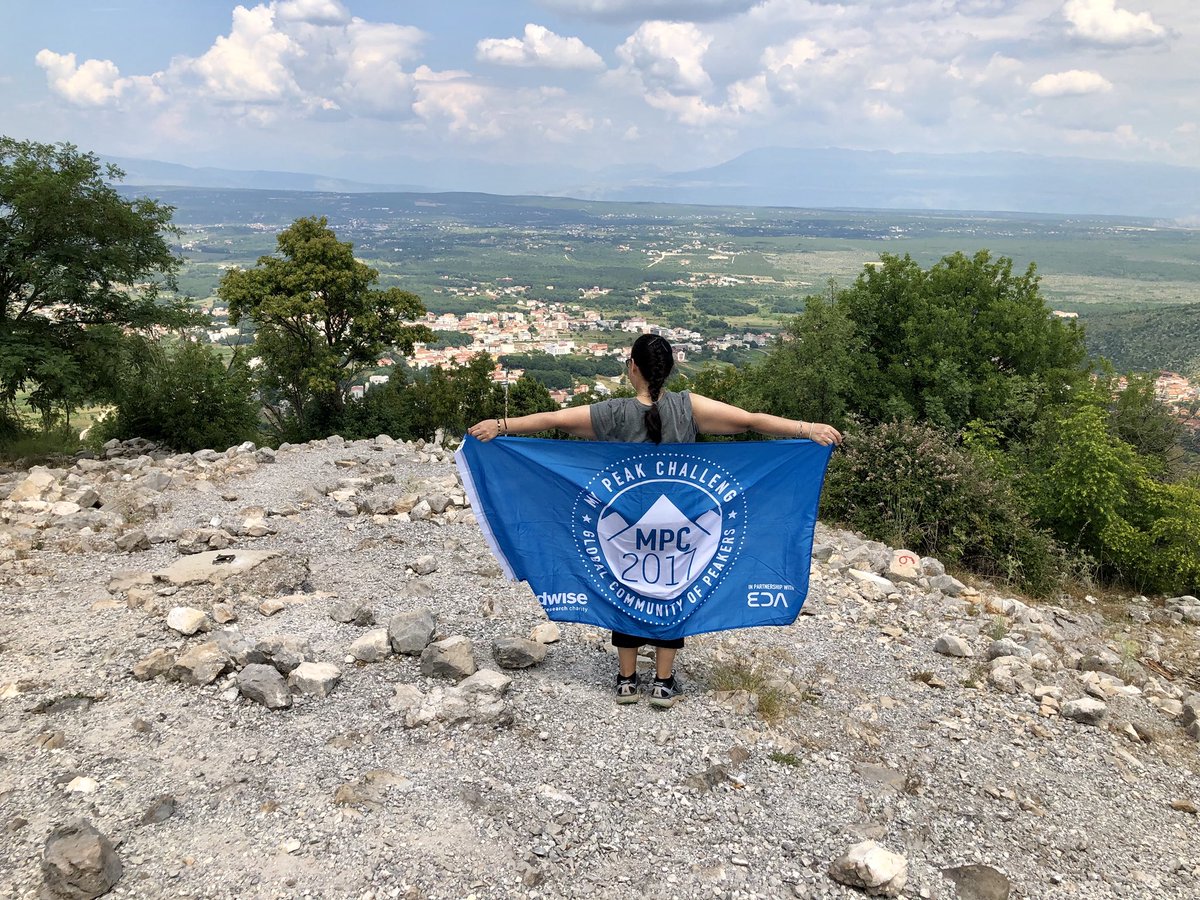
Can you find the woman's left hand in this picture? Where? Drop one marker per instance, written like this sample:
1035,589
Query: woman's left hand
823,434
485,430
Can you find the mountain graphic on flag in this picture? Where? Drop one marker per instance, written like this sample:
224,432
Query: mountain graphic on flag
663,552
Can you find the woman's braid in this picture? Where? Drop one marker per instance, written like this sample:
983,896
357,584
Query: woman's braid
652,353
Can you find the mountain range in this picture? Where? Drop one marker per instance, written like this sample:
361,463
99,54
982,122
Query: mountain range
822,178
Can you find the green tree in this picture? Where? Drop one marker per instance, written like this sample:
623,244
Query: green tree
966,339
319,321
186,397
79,266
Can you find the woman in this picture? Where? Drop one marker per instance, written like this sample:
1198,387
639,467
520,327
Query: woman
658,417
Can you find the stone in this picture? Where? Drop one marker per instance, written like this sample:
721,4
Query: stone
200,664
155,663
271,606
34,486
187,621
78,862
517,653
223,613
904,567
1007,647
1190,711
133,541
424,565
213,567
160,809
1085,710
373,646
947,584
314,679
123,581
546,633
411,631
284,651
978,882
485,682
263,684
352,612
884,585
952,645
453,657
872,868
931,567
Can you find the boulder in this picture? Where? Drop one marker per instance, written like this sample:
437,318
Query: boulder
1085,710
424,565
872,868
518,653
263,684
79,862
904,566
157,662
373,646
453,657
978,882
284,652
187,621
546,633
952,645
352,612
314,679
200,664
947,584
410,632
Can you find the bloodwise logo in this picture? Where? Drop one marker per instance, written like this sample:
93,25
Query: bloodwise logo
659,531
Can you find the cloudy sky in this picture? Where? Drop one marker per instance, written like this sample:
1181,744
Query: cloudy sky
354,87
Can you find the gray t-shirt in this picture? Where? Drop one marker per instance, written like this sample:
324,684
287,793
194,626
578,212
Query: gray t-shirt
623,419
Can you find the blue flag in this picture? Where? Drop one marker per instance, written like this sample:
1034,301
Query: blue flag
655,540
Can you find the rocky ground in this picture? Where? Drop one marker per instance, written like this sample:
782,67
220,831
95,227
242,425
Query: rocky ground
249,673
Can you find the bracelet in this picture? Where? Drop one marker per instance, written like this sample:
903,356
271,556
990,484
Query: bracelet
801,433
503,429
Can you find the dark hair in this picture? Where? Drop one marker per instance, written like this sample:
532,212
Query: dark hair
654,359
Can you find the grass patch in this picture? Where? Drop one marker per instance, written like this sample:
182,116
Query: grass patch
787,759
761,678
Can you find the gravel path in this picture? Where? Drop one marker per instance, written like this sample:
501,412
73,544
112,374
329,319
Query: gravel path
577,797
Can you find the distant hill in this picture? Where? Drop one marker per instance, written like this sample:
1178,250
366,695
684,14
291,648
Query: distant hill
779,177
959,181
146,172
1144,340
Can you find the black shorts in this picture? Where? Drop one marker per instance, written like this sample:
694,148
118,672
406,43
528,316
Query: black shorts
620,639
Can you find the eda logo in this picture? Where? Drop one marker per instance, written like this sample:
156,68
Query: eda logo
766,599
659,532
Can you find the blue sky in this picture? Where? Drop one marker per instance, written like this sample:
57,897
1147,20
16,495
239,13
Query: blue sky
355,88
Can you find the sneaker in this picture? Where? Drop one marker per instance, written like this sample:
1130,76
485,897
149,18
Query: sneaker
627,689
665,691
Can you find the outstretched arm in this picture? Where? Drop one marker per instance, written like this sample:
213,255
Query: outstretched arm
574,420
715,417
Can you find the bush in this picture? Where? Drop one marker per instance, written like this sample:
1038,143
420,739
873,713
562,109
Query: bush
1097,493
187,398
914,486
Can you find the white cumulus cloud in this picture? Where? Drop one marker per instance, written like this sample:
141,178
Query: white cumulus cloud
668,56
253,64
1074,82
539,47
638,10
1103,22
94,82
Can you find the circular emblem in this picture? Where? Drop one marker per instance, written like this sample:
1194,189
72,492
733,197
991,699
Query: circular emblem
659,531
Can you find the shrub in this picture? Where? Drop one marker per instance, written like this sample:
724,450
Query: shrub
185,397
914,486
1097,493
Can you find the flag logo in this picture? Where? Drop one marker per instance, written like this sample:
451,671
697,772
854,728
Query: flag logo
658,532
